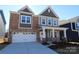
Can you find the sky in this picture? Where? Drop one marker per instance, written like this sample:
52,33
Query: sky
63,11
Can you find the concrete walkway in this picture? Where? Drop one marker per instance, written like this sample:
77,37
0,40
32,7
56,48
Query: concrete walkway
26,48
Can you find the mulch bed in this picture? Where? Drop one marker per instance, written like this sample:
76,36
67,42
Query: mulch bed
65,48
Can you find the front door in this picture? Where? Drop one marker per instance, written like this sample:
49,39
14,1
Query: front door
56,33
49,34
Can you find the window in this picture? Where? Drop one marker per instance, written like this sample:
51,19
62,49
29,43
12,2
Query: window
28,19
14,32
77,25
55,23
49,10
25,19
24,33
43,21
32,33
49,21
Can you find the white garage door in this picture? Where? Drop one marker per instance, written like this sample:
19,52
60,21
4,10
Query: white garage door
24,37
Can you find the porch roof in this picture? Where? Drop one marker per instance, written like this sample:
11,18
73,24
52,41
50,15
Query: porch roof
55,28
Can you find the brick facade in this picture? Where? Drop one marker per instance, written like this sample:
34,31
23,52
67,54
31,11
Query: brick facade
14,25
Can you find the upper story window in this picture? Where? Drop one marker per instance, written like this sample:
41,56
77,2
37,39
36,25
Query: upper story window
43,21
28,20
77,25
25,19
49,22
55,23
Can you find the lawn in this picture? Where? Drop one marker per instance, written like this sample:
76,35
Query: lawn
65,48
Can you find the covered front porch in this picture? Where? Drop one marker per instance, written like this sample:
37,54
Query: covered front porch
52,34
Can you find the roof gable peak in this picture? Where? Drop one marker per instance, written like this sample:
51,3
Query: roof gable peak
26,9
49,12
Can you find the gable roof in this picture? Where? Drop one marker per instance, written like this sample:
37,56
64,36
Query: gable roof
26,9
1,12
49,12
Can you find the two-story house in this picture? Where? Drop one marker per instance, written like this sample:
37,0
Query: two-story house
27,27
2,26
73,28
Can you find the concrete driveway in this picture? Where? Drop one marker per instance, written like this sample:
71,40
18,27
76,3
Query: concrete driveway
26,48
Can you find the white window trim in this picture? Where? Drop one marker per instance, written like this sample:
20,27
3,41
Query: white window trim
30,19
76,27
56,23
47,19
21,20
51,19
26,19
42,20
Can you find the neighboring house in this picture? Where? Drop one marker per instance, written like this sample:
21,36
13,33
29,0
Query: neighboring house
73,31
2,26
27,27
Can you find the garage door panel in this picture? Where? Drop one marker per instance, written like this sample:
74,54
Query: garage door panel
23,37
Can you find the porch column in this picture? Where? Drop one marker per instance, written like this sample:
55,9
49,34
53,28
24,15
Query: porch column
53,33
65,33
44,34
